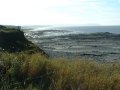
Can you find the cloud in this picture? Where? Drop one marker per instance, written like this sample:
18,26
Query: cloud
57,11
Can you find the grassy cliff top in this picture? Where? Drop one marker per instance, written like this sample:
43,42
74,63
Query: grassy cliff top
13,40
20,71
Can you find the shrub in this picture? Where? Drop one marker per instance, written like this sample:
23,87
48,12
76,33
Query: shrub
35,72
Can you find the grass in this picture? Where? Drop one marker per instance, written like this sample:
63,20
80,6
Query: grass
8,30
20,71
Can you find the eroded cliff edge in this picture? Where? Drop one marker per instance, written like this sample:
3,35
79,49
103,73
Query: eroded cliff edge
13,40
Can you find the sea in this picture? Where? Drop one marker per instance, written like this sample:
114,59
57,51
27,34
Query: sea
101,43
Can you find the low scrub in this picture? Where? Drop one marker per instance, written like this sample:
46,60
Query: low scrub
35,72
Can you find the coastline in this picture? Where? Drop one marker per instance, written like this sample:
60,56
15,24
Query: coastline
102,46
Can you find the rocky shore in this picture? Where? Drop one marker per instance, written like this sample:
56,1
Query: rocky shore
103,46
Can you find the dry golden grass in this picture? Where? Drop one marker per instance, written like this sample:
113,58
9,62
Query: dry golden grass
35,72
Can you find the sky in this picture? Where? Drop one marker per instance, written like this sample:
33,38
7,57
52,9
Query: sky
60,12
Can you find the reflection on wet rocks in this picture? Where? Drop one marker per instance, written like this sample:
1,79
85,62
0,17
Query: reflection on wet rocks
103,46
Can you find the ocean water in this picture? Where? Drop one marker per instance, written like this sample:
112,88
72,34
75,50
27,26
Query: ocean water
94,29
47,31
101,43
82,29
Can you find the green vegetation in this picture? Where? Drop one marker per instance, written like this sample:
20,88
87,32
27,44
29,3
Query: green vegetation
24,66
13,40
20,71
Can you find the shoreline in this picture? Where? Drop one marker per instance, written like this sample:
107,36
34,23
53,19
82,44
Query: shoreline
102,46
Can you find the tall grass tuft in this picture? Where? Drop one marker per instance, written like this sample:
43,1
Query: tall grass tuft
36,72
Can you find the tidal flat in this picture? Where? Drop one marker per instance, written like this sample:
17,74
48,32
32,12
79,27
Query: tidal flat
102,46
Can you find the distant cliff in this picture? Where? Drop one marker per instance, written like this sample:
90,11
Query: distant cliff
13,40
